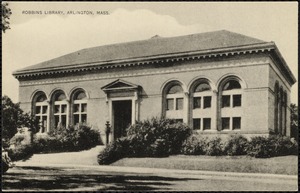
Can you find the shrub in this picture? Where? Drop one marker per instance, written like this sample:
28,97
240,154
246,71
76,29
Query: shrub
46,144
113,151
236,145
21,152
72,138
63,139
150,138
282,145
158,137
17,140
86,137
194,145
275,145
214,147
259,147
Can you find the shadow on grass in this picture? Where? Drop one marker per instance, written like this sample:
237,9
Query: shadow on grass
36,178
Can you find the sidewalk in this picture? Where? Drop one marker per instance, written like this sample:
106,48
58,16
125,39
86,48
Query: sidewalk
181,173
87,160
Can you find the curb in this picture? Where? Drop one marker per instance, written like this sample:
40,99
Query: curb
163,170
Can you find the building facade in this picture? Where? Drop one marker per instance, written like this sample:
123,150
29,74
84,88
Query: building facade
217,82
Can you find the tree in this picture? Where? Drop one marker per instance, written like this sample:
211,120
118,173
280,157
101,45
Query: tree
294,121
5,12
13,118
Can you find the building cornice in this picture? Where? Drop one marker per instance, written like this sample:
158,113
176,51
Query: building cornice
162,60
125,74
157,59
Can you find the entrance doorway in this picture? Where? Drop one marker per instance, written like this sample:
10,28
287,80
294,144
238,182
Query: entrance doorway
122,117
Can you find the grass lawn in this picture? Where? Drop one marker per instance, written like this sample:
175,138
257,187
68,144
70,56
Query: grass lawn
275,165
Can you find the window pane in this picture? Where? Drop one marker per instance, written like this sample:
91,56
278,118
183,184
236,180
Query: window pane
196,124
56,109
202,87
206,123
80,96
170,104
56,120
76,119
83,118
237,100
63,120
179,103
63,108
76,108
207,102
83,107
44,123
236,122
225,123
60,97
38,118
175,89
44,109
37,110
232,84
197,102
226,101
41,98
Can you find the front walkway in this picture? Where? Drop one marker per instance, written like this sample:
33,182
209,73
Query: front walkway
86,157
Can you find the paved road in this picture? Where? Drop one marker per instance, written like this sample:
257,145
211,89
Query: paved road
101,178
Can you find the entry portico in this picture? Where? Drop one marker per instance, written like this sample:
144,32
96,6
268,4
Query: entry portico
122,100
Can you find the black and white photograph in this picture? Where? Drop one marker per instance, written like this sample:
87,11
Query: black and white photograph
149,96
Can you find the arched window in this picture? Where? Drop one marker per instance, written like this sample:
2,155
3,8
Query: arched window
175,98
231,94
40,110
284,112
201,98
173,101
231,103
60,109
280,108
79,107
276,93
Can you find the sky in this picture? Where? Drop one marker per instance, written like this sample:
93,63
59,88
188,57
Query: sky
34,38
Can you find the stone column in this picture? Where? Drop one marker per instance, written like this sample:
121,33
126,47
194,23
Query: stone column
214,106
48,116
186,108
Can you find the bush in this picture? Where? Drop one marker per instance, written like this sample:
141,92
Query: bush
275,145
260,147
63,139
158,137
236,145
214,147
17,140
282,145
21,152
194,145
45,144
113,151
86,137
150,138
